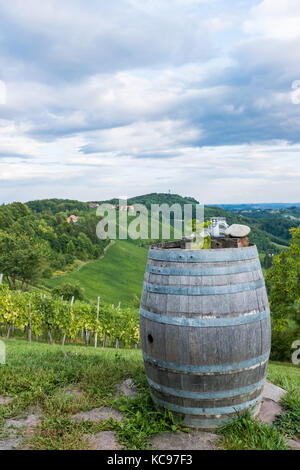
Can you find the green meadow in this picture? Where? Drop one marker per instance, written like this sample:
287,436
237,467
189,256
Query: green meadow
116,277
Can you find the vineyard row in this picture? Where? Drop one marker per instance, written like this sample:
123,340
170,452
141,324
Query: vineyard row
39,316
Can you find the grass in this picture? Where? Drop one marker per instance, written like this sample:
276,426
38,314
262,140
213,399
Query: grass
289,422
116,277
142,420
37,375
248,433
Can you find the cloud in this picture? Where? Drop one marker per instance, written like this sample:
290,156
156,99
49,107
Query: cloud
4,155
275,19
142,138
2,92
70,40
128,97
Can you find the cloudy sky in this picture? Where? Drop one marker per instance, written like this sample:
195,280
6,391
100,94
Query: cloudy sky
100,99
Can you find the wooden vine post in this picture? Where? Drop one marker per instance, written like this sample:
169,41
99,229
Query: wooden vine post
29,322
117,339
98,312
65,334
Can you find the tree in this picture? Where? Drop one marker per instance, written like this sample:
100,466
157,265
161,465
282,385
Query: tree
268,259
71,248
21,259
284,280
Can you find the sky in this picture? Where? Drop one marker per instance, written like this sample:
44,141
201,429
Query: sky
101,99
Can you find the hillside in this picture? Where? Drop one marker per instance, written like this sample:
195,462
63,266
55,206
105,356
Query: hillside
71,252
116,277
270,228
60,241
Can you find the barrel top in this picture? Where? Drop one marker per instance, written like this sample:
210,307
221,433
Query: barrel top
166,248
216,254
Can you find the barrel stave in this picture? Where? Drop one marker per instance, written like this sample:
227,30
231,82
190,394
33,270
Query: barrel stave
222,304
204,404
206,382
205,346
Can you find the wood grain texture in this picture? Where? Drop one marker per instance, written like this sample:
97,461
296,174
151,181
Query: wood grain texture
209,351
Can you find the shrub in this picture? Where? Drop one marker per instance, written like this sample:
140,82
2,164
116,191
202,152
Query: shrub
68,291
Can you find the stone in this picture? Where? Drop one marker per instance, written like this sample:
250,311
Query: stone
238,231
74,391
273,392
105,440
98,414
10,444
18,428
31,421
5,400
127,388
194,440
268,411
293,445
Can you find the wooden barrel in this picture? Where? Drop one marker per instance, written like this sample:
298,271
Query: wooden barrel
205,332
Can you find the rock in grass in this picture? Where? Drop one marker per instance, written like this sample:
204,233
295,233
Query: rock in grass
5,400
238,231
105,440
273,392
98,414
127,388
31,421
269,410
74,391
10,444
194,440
293,445
270,407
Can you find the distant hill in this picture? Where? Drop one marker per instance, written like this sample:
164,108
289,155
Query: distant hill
56,206
270,231
240,207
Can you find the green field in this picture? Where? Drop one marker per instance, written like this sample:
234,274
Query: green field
38,376
116,277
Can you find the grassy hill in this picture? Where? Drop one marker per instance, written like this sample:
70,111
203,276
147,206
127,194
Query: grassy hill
115,277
